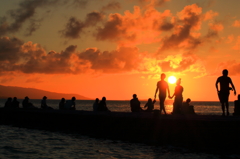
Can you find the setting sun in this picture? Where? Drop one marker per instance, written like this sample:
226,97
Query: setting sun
172,79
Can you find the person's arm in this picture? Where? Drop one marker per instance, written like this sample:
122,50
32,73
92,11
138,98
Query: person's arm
146,105
154,101
168,91
233,87
156,92
217,85
173,94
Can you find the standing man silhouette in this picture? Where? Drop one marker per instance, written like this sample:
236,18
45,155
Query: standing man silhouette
162,86
223,94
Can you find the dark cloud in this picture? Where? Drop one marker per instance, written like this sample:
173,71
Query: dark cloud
32,58
74,27
53,62
17,17
33,26
124,59
26,12
10,48
16,56
93,18
166,26
189,19
111,29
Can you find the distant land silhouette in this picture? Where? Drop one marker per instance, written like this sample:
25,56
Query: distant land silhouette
32,93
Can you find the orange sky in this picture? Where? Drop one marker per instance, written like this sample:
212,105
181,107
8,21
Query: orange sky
115,48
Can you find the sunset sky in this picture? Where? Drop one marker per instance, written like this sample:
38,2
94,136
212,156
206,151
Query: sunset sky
115,48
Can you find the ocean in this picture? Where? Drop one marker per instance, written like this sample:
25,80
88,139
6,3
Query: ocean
24,143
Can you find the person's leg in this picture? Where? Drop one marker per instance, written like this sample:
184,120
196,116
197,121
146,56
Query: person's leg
162,100
160,105
222,101
227,105
223,109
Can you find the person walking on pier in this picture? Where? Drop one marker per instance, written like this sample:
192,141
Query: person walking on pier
163,88
223,93
177,105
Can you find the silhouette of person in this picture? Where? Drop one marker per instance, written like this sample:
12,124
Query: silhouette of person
187,108
177,104
8,103
27,104
149,105
44,103
223,93
70,104
61,104
15,103
237,106
135,104
102,106
95,105
163,88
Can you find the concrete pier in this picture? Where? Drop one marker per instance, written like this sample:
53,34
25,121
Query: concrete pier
196,132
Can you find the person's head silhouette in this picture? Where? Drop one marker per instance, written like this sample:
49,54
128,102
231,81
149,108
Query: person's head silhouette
178,81
163,76
149,99
97,100
225,72
134,96
188,100
104,99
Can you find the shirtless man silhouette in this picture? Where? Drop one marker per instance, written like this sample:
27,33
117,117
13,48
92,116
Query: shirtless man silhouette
224,91
162,86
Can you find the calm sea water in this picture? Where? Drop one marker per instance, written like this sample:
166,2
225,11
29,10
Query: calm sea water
30,143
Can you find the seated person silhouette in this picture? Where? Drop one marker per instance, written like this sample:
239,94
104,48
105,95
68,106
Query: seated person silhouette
44,104
237,106
149,105
95,105
135,104
61,104
70,104
27,105
102,106
8,103
15,103
187,108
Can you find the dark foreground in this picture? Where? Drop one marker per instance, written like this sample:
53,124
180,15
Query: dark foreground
214,134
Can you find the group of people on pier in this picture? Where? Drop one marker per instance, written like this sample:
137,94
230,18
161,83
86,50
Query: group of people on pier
223,85
162,87
26,104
